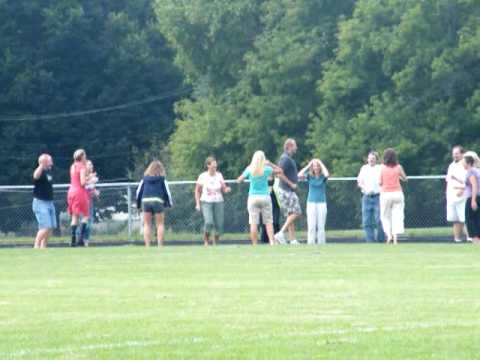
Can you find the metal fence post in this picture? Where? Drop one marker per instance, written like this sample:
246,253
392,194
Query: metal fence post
129,204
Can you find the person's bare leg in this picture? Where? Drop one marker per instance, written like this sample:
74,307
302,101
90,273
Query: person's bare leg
44,243
458,230
254,233
290,219
291,231
216,239
147,231
206,239
39,238
269,228
160,220
74,220
465,231
395,236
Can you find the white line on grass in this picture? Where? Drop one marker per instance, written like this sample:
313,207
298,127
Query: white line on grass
126,344
142,344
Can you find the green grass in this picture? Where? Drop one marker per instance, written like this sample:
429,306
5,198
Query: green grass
238,302
184,236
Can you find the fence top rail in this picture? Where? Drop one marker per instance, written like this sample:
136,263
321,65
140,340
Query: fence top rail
190,182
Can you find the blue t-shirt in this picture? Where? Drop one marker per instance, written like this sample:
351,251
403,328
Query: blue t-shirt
316,189
258,184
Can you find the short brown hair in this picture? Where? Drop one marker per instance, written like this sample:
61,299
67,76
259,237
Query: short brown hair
374,153
155,168
209,160
460,148
390,157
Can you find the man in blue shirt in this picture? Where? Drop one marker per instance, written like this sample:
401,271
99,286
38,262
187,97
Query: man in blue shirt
289,201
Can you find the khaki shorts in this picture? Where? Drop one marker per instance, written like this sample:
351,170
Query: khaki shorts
260,205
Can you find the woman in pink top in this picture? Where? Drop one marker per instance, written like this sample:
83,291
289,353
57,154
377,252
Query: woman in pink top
78,198
392,201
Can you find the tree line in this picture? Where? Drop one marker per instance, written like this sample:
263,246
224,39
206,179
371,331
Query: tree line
341,77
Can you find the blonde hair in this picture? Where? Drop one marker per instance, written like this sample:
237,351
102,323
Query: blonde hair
155,168
257,165
315,162
78,154
474,156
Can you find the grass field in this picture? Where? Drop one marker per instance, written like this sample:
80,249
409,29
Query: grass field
234,302
433,232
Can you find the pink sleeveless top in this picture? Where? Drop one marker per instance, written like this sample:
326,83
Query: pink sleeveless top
390,178
75,184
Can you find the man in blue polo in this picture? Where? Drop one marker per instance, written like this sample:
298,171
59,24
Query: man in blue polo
289,201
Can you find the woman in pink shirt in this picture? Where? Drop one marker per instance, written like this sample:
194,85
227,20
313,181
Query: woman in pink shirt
392,201
78,198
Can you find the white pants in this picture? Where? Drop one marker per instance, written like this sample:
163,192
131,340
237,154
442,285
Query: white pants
316,218
392,206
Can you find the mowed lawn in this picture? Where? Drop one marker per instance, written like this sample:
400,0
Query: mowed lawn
363,301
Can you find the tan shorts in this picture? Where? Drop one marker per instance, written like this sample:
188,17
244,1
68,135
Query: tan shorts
260,205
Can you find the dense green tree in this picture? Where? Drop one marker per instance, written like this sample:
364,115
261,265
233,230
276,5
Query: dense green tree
406,74
69,55
261,84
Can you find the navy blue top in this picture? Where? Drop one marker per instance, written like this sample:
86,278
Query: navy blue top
290,170
154,187
317,187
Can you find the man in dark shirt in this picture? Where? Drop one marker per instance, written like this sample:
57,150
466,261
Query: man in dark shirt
43,206
289,201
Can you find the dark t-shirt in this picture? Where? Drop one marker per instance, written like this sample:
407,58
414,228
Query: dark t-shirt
290,170
42,187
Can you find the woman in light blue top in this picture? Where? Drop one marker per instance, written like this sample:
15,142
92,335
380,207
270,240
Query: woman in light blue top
316,202
259,202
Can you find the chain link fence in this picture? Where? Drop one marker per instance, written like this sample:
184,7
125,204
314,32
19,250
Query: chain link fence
118,221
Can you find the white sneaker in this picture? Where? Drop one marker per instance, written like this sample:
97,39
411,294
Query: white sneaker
294,242
457,240
469,239
280,238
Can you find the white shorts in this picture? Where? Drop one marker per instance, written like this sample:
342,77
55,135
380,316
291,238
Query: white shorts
456,211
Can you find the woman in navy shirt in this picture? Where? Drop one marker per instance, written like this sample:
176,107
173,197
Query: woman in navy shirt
316,203
153,196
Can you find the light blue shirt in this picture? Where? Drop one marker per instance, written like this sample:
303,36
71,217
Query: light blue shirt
258,184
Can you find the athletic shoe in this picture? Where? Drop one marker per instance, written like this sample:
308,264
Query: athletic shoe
280,238
457,240
469,239
294,242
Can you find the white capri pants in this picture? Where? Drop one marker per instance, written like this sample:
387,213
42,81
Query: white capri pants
392,207
316,219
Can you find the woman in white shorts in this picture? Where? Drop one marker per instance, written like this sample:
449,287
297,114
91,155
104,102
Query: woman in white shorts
259,202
